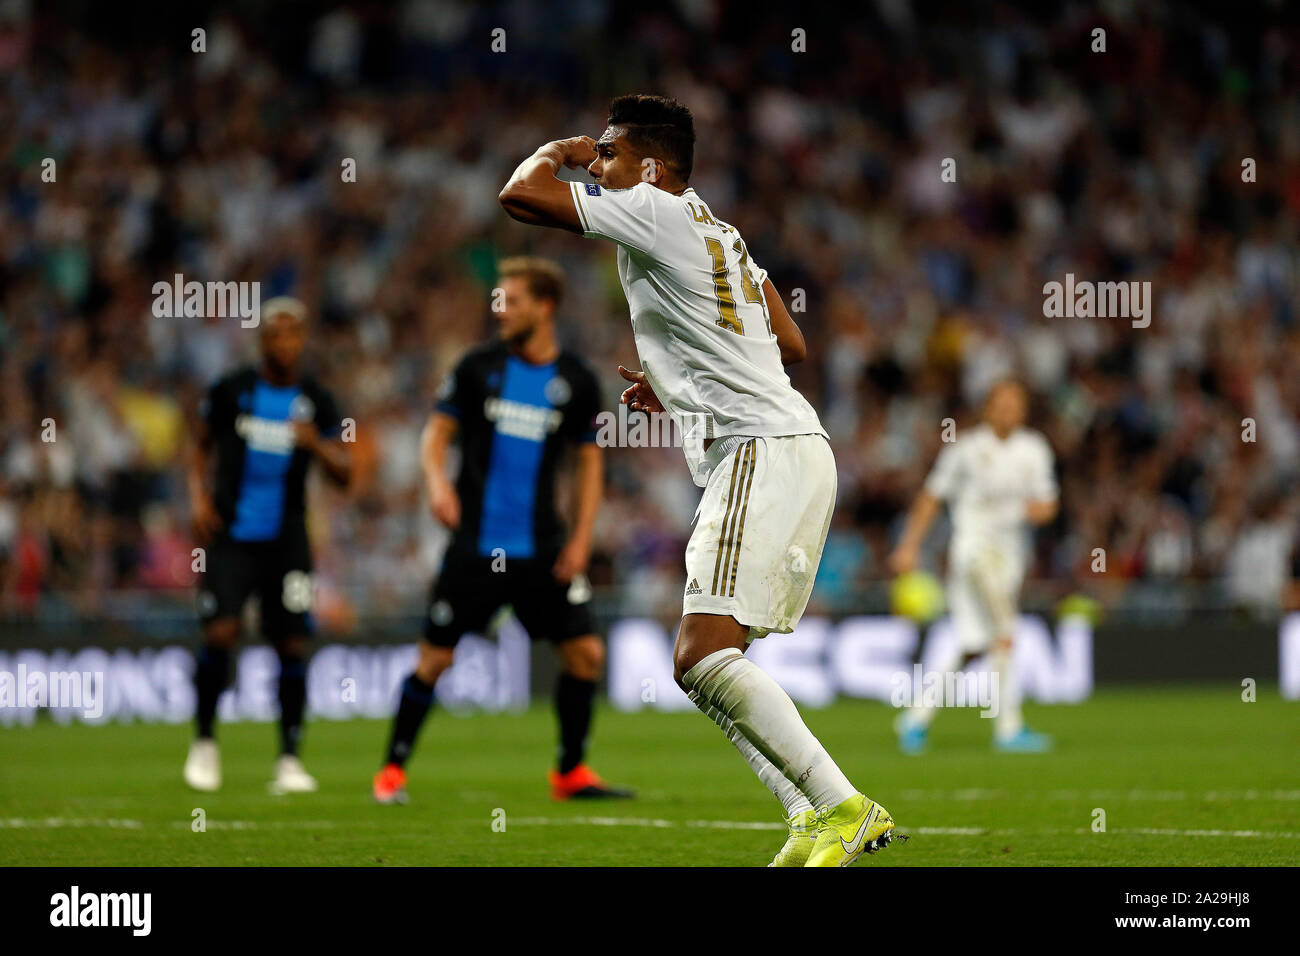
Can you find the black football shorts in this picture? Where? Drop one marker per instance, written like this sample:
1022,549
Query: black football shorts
278,572
468,592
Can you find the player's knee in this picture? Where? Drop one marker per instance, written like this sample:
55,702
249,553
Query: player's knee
584,657
432,662
701,635
222,633
686,654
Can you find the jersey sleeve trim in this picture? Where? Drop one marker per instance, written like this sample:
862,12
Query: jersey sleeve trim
582,212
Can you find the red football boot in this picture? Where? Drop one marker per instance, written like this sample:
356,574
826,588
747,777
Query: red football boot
583,783
390,785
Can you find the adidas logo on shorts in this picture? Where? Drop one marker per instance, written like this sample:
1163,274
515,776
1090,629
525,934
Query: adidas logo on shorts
694,588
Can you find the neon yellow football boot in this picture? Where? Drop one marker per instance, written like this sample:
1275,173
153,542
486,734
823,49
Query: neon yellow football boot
799,844
849,829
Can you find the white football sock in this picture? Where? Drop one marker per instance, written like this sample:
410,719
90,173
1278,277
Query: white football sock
1008,720
792,799
765,716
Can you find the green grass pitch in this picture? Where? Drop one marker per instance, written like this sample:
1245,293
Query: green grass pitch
1186,776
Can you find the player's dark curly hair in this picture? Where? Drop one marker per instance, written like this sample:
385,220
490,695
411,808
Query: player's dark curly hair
657,126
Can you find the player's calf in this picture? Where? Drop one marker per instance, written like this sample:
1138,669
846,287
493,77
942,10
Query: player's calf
212,670
583,661
414,704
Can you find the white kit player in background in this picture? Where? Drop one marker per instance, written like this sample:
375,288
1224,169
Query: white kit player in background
713,337
998,481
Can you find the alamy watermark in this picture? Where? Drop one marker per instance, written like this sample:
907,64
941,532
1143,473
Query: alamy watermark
919,688
133,911
1084,299
627,429
197,300
76,690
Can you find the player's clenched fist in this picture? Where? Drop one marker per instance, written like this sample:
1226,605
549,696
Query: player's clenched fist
577,151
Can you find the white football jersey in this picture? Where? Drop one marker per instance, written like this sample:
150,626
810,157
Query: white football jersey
699,317
987,481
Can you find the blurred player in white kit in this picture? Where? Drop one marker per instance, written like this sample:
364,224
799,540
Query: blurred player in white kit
998,482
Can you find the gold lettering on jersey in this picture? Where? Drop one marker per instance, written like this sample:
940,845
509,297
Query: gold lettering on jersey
727,317
747,285
701,214
746,276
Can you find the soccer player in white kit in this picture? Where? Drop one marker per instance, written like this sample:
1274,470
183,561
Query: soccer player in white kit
998,481
712,334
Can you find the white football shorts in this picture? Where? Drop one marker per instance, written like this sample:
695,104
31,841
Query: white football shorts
983,597
760,530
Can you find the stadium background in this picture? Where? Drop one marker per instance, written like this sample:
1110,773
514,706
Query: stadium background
225,166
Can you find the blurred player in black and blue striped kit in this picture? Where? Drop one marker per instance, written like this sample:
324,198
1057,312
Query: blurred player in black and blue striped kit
260,429
518,403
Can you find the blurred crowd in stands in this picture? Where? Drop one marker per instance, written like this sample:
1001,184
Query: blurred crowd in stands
1178,444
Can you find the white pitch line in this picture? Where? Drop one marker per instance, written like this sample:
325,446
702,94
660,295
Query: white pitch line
264,824
55,823
979,793
39,823
645,822
1085,831
649,822
1162,831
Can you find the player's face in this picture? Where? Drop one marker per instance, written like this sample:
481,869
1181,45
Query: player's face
617,166
521,311
1006,408
283,337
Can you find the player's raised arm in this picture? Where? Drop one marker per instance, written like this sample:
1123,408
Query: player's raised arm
534,195
788,337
